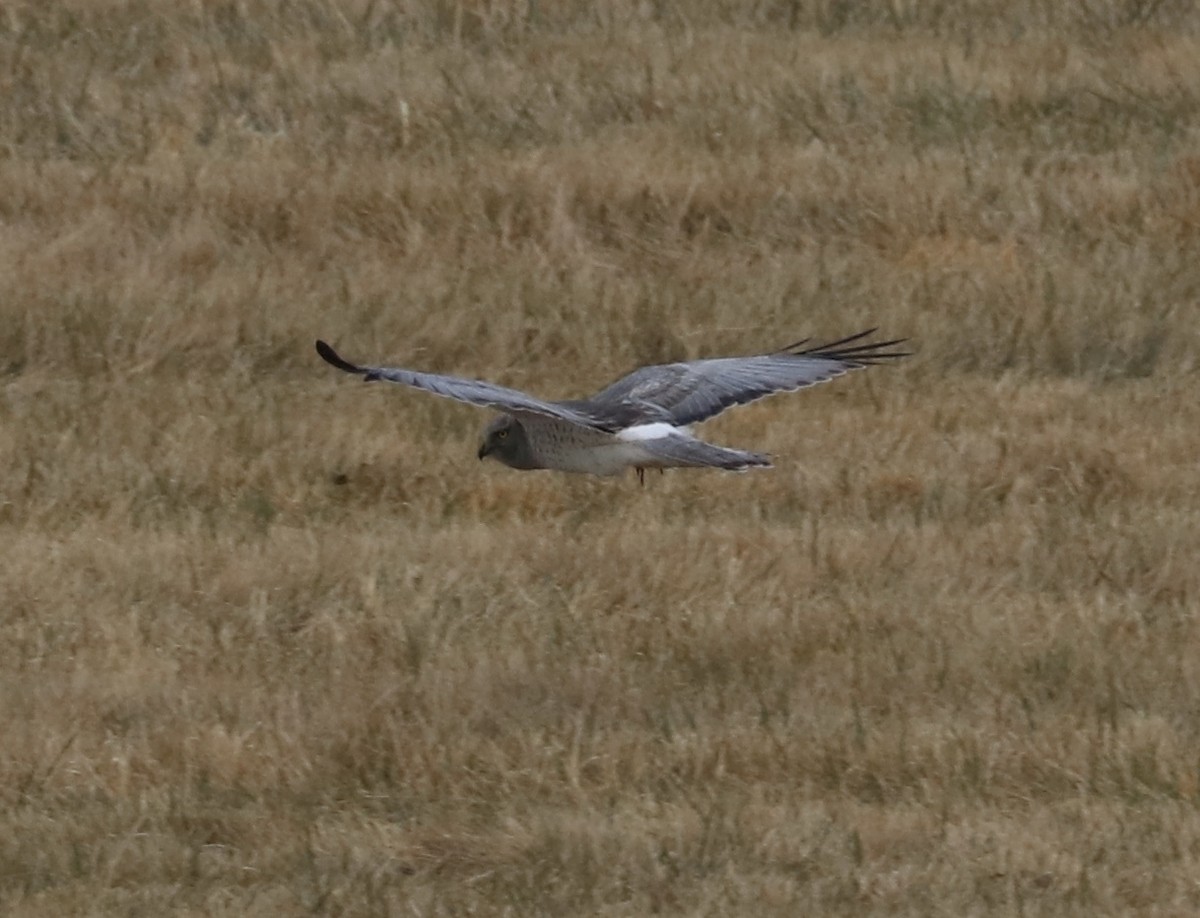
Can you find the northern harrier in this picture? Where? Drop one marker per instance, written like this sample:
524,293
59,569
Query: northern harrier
643,420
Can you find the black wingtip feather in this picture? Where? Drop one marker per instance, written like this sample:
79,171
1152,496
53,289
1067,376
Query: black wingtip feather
859,354
330,356
794,346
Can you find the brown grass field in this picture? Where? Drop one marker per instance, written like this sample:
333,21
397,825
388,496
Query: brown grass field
274,643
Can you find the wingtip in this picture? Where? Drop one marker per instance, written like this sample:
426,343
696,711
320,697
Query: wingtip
331,357
855,350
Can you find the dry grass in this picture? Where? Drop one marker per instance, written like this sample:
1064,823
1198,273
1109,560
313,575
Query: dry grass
274,644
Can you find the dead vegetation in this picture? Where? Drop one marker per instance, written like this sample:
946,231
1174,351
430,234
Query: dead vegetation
275,644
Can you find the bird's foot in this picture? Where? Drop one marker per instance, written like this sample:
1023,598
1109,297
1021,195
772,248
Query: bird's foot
641,473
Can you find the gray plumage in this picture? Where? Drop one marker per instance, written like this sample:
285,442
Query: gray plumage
642,420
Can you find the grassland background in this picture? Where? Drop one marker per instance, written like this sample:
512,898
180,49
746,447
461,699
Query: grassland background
272,643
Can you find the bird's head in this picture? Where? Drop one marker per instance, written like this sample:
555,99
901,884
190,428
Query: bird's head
505,441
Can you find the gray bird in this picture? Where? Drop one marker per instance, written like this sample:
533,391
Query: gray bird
642,420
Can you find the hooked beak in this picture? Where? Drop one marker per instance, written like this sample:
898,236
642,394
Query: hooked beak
484,450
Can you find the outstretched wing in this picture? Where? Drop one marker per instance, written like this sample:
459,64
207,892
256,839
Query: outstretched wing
687,393
471,391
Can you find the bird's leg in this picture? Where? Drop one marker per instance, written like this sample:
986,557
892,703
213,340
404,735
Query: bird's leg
641,475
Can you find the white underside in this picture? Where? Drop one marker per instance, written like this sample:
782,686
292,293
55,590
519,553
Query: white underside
621,452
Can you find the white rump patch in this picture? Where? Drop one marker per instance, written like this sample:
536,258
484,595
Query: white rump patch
654,431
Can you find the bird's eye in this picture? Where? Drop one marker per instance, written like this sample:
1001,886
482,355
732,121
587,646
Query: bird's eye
501,434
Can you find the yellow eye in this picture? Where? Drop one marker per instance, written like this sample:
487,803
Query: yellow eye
501,434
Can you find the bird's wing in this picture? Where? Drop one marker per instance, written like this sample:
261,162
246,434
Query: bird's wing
471,391
687,393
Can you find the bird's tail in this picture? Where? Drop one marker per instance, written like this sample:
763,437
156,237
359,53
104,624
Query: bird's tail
676,451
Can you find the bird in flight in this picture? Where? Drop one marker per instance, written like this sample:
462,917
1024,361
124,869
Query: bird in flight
642,420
